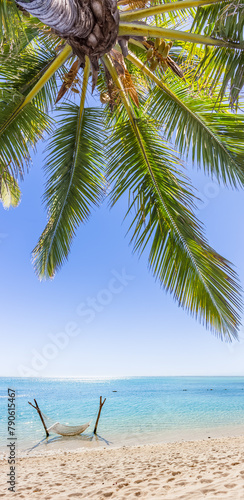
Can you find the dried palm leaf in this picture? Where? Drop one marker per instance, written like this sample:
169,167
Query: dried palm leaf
68,80
130,87
125,76
133,4
174,67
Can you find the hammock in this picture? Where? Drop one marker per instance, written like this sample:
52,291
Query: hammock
64,430
68,430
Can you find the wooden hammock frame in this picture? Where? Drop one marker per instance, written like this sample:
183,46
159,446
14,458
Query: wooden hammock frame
44,425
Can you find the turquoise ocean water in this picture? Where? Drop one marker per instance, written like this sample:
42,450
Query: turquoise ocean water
143,410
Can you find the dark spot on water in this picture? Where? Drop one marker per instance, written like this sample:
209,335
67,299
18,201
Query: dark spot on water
114,391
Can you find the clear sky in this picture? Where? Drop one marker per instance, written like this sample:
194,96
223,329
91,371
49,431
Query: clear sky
103,314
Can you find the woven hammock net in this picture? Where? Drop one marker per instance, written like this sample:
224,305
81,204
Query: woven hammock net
63,430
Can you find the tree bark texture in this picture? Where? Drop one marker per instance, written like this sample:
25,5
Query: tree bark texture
89,26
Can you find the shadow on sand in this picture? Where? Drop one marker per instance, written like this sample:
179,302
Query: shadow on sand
47,441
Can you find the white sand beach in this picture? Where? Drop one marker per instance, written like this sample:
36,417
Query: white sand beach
206,469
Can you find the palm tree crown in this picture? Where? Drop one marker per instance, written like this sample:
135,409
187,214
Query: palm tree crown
166,71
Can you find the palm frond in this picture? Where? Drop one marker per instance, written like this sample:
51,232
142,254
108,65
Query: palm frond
222,69
76,182
10,20
202,281
148,30
212,138
20,72
160,12
10,193
20,129
224,21
22,123
141,11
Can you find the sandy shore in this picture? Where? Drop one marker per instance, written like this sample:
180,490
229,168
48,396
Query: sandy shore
207,469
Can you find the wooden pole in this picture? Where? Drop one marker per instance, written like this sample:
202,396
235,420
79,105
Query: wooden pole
40,415
99,413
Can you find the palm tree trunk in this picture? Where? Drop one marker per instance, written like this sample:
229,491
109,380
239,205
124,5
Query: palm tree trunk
89,26
65,17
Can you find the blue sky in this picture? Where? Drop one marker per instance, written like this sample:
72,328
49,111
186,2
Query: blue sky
103,314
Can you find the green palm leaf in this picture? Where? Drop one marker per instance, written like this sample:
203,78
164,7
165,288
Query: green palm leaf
10,20
21,69
200,279
75,182
10,194
212,138
22,123
19,132
224,21
224,71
